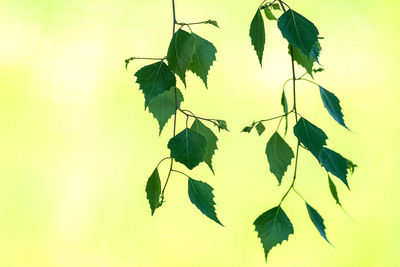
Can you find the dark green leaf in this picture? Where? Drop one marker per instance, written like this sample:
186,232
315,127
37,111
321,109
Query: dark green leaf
203,57
163,106
247,129
285,109
351,166
279,155
188,147
273,227
155,79
201,196
317,220
332,104
153,190
257,35
332,188
180,53
260,128
306,62
268,13
299,31
213,22
211,139
315,51
276,6
222,125
312,137
334,163
318,70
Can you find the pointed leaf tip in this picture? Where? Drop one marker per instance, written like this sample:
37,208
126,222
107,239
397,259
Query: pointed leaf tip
257,35
334,163
273,227
279,155
200,194
211,139
332,104
188,147
153,190
318,221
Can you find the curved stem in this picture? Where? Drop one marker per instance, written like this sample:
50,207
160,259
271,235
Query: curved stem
274,118
181,173
162,161
307,80
194,23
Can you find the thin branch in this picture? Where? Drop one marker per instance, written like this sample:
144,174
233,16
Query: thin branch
181,173
188,113
194,23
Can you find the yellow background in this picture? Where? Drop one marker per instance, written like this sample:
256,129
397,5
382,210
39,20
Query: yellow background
76,146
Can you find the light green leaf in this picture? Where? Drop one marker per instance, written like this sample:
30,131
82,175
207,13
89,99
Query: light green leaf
201,196
163,106
279,155
299,31
222,125
273,227
312,137
317,220
276,6
155,79
334,163
332,188
203,57
188,147
211,139
260,128
285,109
153,190
332,104
257,35
268,13
180,53
306,62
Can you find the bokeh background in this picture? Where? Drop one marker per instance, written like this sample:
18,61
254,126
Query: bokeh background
76,146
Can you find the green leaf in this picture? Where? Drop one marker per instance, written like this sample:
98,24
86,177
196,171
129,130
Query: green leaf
317,220
312,137
334,163
247,129
299,31
260,128
153,190
211,139
273,227
213,22
332,104
268,13
276,6
203,57
285,109
188,147
351,166
180,53
201,196
154,79
163,106
332,188
306,62
222,125
257,35
315,51
279,155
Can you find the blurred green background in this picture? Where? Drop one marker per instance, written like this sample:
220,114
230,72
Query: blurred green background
76,146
